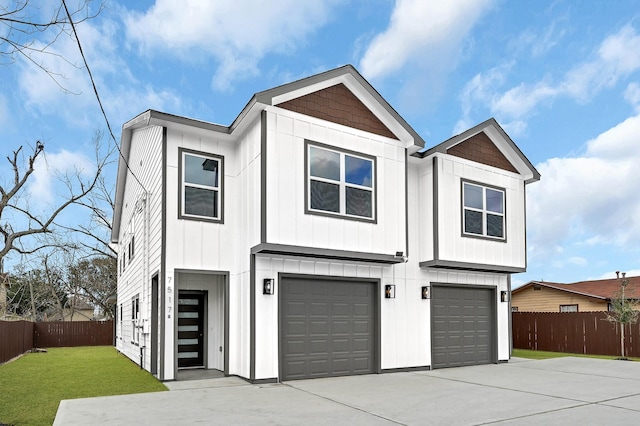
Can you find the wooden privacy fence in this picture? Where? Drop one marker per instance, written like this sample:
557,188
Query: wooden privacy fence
18,337
573,332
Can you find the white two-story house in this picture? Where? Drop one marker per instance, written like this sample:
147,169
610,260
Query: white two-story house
315,236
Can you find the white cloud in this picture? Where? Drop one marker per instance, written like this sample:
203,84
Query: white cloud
538,43
44,183
422,33
479,90
590,198
577,261
615,58
237,33
122,95
632,95
4,111
519,101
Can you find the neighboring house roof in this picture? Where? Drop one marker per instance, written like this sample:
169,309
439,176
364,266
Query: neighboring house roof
605,290
494,132
346,75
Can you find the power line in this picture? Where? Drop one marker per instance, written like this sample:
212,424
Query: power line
95,91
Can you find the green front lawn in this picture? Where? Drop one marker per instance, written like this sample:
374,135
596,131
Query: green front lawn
527,353
33,385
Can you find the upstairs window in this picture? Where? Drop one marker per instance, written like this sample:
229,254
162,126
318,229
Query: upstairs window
201,178
340,183
568,308
483,211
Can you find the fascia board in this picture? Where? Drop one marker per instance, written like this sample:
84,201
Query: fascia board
503,142
554,287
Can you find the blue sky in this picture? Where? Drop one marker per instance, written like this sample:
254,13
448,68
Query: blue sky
562,78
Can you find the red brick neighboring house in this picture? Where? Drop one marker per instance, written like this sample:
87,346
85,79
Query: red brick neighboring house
582,296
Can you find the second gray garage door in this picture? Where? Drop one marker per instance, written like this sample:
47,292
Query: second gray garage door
462,326
327,328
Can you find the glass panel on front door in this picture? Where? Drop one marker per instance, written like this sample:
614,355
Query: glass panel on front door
191,330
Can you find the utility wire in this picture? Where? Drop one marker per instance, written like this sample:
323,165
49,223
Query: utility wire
95,91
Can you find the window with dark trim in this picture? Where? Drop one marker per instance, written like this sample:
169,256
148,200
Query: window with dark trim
201,186
120,319
340,182
132,247
483,211
135,317
568,308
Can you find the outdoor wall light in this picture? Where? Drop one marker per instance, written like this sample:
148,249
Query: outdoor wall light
390,291
426,292
504,296
268,286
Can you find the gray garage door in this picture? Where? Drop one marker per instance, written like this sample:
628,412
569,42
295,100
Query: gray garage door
462,326
327,328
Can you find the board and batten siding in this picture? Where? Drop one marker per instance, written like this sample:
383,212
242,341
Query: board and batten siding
455,247
287,222
223,247
549,300
141,219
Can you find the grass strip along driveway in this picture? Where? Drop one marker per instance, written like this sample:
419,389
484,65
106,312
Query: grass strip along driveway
528,353
33,385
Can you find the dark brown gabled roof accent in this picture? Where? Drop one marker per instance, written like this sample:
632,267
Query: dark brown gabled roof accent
481,149
338,105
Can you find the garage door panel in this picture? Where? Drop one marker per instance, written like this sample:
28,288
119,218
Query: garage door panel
337,322
296,347
362,327
341,309
321,309
462,326
341,327
319,327
319,347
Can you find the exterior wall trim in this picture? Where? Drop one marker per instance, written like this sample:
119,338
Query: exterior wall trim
478,267
263,176
436,231
322,253
405,369
163,257
252,317
225,289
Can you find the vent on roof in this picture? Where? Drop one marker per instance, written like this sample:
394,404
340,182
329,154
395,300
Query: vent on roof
537,287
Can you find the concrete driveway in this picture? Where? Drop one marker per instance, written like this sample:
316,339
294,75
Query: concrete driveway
560,391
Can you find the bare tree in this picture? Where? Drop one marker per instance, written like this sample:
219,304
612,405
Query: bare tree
22,21
93,236
20,223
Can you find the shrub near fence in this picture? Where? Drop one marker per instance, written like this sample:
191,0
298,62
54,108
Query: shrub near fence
16,338
573,332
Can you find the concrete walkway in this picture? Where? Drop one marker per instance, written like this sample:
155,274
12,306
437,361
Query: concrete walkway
560,391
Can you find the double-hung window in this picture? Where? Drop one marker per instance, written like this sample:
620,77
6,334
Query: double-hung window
340,183
483,211
201,178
